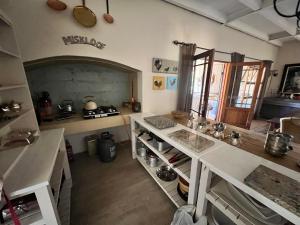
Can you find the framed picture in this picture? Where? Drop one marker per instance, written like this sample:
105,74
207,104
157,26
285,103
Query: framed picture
171,83
290,83
164,66
158,83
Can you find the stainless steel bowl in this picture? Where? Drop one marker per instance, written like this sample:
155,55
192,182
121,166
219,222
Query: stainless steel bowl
166,173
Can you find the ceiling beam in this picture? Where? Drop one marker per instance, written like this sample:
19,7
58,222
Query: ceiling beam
283,34
238,15
278,20
279,35
252,4
200,8
264,5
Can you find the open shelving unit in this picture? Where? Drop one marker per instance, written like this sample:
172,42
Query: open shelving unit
189,170
13,82
48,162
183,170
41,166
230,166
170,188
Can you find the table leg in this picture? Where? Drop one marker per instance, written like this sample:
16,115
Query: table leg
194,181
47,206
205,182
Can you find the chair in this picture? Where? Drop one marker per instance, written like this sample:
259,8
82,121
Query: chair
291,125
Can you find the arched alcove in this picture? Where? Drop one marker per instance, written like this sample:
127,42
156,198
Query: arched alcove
73,77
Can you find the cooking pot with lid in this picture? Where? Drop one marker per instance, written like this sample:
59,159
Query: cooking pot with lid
278,144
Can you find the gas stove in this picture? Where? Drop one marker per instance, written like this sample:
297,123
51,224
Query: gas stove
101,111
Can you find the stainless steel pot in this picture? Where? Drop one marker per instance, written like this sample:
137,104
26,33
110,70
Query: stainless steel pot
152,160
141,151
278,144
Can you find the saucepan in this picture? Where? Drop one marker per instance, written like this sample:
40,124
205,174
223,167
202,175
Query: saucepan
278,144
151,159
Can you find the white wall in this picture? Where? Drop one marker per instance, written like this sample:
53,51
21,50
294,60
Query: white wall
143,29
289,53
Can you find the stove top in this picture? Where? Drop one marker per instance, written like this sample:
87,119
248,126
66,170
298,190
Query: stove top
101,111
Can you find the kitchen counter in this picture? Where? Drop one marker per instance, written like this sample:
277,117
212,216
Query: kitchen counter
253,142
78,124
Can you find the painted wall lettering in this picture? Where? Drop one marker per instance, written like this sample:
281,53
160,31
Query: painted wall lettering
76,39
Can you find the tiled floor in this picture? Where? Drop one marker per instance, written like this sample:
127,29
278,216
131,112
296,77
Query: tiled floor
117,193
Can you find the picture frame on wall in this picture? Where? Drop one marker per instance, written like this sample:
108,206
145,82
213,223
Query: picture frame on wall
171,83
290,82
164,66
158,83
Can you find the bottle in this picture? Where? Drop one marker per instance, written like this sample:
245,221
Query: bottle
45,105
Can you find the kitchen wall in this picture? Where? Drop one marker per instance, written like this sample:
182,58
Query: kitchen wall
143,29
289,53
74,81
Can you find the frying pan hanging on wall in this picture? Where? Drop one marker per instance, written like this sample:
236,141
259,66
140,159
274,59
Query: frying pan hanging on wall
84,15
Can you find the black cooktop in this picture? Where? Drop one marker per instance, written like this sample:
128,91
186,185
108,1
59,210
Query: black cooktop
101,111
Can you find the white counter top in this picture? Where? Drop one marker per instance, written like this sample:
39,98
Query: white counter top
164,134
33,170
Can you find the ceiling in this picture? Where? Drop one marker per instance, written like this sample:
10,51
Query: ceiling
254,17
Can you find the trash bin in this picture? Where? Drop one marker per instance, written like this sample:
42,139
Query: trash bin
91,143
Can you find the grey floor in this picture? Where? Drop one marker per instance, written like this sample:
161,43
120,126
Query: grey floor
117,193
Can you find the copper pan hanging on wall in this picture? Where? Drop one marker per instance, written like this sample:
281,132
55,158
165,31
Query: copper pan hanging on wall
56,5
84,15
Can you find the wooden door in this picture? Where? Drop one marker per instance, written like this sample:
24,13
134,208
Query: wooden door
241,87
201,81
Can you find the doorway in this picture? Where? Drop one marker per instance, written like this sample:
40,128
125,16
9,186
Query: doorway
232,93
241,85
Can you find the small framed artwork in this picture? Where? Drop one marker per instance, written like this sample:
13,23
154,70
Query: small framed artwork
164,66
158,83
290,82
171,83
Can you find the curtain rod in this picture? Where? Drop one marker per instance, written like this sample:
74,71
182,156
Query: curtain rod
222,52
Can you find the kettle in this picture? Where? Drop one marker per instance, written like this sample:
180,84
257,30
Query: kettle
90,103
278,144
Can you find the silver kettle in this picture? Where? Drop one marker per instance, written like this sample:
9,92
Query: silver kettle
278,144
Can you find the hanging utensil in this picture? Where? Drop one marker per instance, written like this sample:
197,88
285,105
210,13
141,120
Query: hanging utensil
84,15
107,17
56,5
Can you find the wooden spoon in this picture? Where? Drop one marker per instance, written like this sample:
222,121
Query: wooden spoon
56,5
107,17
